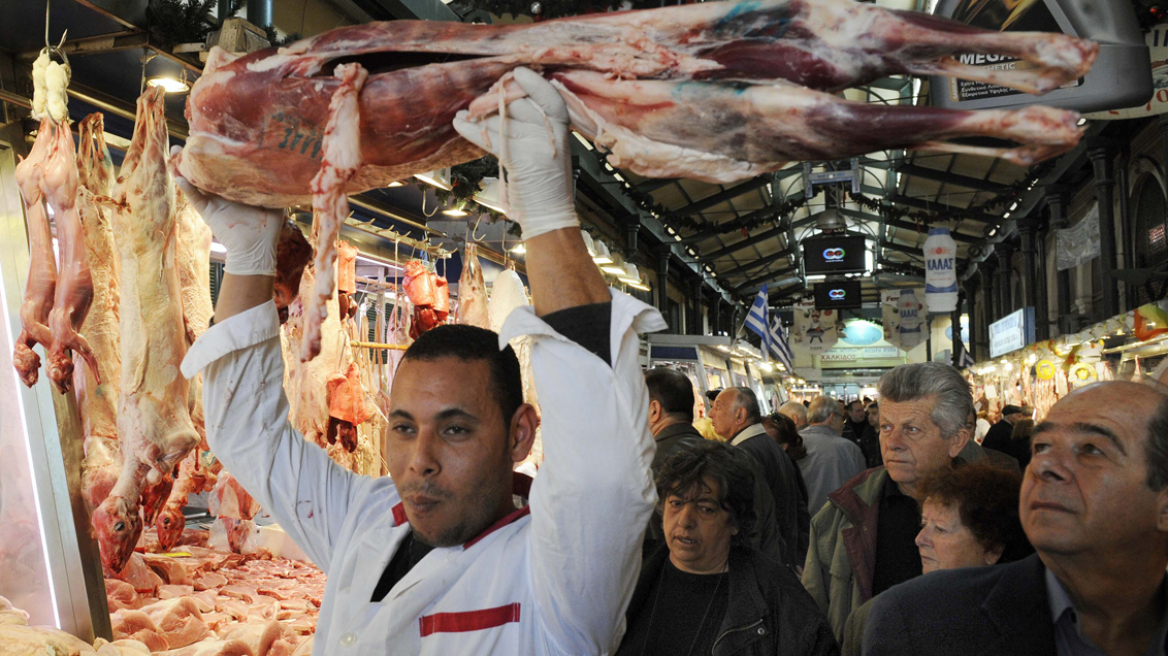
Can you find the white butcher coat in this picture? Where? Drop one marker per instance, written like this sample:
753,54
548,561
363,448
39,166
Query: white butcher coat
553,578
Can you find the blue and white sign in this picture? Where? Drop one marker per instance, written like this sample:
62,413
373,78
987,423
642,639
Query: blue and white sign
941,271
1012,332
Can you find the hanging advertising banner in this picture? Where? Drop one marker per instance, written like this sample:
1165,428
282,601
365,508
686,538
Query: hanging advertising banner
941,271
1120,77
1079,243
1157,41
814,330
905,322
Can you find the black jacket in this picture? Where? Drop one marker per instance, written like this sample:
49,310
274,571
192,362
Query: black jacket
770,614
1001,610
767,539
791,514
998,436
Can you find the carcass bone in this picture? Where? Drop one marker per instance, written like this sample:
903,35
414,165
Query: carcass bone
257,122
154,423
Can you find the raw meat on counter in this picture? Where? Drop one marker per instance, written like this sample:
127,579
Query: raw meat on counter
155,430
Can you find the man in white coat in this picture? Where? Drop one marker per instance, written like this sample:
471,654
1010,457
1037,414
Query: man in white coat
436,559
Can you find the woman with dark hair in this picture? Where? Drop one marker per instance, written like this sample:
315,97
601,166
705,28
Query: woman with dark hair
707,587
969,518
782,429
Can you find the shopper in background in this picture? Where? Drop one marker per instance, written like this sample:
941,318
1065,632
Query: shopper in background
1019,446
709,589
863,540
1094,504
671,422
969,518
782,430
736,416
796,411
831,460
998,437
870,439
855,421
974,453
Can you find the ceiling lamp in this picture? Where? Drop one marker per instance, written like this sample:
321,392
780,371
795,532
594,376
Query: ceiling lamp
519,249
169,84
829,219
439,178
601,255
631,276
395,183
643,283
491,196
616,267
457,211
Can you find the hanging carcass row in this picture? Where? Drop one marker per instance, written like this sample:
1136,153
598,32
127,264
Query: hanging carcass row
716,91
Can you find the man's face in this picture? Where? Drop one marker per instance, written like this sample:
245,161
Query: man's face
837,421
723,414
911,443
857,413
698,530
874,416
448,448
1085,490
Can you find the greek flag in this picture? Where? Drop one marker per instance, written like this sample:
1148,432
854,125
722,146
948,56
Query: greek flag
964,360
774,343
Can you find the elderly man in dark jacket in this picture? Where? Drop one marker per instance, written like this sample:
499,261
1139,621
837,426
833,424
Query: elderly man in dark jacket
708,591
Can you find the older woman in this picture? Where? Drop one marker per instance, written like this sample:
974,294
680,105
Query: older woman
707,588
969,518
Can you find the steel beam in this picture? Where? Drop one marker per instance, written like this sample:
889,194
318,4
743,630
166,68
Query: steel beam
723,196
649,186
925,205
770,259
950,178
745,243
94,45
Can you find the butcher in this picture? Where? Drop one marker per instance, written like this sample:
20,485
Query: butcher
437,559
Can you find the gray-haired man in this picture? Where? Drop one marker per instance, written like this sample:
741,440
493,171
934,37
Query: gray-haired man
862,539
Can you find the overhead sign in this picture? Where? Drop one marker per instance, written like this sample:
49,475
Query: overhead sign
839,295
834,254
1012,333
941,271
1120,77
1157,41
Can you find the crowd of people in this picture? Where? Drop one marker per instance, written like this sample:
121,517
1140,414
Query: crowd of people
881,529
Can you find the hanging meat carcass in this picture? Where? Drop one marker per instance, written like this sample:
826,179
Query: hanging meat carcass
192,479
293,253
97,402
472,291
42,264
348,407
346,278
261,124
154,424
430,296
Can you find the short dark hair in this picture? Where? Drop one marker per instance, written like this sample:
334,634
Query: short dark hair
785,432
673,390
747,400
986,497
852,403
473,343
728,467
713,394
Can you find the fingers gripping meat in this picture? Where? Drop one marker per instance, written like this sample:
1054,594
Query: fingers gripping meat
154,423
42,266
74,292
342,157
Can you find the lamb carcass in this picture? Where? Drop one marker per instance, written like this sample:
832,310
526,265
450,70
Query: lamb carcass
97,402
42,265
260,124
192,479
74,292
472,291
154,423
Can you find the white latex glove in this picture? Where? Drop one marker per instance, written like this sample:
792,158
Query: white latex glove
540,195
248,233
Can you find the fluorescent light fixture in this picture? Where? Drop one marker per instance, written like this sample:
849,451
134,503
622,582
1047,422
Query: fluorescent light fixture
631,276
1082,121
602,255
519,249
362,258
439,178
1006,215
455,212
216,247
993,231
168,83
613,269
817,278
581,139
1014,206
676,237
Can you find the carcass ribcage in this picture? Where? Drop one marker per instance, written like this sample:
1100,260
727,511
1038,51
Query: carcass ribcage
42,266
154,423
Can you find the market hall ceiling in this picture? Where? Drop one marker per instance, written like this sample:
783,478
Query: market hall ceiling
742,260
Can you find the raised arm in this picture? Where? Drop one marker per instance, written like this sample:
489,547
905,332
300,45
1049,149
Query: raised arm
594,493
243,387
